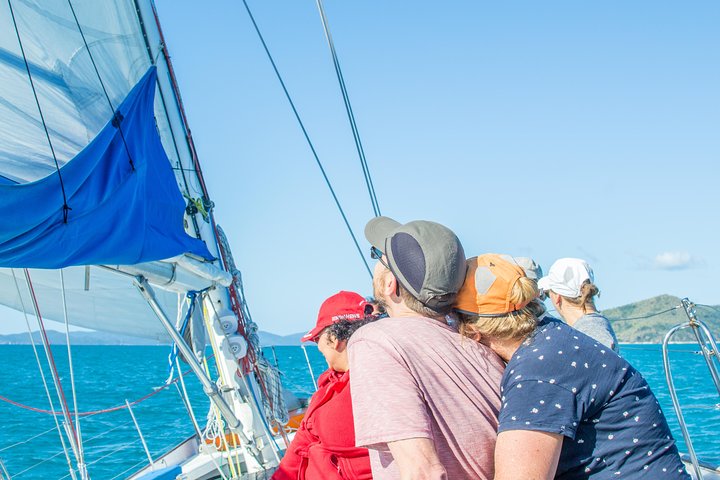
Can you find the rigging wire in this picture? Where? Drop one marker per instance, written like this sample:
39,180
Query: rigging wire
647,316
28,440
117,116
349,110
133,468
711,307
307,138
80,451
50,357
42,373
66,208
15,475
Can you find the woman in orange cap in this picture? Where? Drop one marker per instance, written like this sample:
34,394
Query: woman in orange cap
324,445
571,407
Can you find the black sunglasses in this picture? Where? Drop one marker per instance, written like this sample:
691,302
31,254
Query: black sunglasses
377,254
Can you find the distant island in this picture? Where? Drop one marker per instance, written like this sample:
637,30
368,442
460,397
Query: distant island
636,322
633,323
103,338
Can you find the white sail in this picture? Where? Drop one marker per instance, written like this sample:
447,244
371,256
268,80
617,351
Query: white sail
75,108
134,236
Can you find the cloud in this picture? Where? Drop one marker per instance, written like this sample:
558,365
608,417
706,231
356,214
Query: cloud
676,261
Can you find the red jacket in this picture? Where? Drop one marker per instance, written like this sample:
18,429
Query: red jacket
324,445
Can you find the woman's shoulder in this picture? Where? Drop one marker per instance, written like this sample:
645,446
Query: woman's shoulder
553,350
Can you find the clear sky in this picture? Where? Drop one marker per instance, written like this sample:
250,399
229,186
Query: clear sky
544,129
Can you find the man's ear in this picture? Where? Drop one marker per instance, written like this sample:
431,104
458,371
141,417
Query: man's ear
388,283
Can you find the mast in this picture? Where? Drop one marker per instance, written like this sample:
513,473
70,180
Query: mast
234,354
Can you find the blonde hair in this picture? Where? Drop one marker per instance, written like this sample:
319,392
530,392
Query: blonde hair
509,326
588,291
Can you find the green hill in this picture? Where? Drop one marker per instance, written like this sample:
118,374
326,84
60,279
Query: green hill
638,322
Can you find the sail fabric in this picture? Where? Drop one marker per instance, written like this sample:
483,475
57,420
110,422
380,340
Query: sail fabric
118,214
71,93
95,298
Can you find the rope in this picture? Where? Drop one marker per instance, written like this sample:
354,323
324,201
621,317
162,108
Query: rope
117,116
348,109
218,422
93,412
307,139
188,406
66,207
191,296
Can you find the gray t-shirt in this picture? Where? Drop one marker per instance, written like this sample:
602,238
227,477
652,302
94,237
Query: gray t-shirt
596,326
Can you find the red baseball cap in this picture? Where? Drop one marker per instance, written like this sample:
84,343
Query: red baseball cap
341,306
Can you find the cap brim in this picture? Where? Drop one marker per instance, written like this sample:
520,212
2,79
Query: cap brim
544,283
308,337
378,229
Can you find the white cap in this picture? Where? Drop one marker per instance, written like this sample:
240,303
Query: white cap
566,277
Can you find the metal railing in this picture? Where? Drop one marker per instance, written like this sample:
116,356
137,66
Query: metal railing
704,337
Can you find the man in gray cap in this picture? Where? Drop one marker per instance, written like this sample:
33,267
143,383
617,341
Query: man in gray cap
425,400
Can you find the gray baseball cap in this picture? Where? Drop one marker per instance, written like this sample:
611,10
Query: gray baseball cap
427,258
532,269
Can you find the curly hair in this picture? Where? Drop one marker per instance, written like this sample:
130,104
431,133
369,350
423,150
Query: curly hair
343,329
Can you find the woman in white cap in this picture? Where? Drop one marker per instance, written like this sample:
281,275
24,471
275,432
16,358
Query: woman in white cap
569,285
571,408
324,445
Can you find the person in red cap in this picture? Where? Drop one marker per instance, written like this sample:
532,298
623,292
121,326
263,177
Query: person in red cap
324,445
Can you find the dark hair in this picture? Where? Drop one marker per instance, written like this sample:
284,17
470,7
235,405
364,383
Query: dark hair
375,304
343,329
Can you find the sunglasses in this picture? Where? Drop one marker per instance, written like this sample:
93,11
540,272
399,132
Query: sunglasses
377,254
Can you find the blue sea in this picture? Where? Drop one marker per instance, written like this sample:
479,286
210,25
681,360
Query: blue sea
106,376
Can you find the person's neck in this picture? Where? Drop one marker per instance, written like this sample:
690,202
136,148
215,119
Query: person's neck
505,349
572,314
399,309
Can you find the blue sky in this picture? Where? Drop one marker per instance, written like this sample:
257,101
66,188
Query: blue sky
544,129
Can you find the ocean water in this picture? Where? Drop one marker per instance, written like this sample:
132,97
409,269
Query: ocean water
106,376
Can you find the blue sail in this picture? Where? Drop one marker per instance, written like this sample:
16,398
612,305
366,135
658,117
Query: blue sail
118,215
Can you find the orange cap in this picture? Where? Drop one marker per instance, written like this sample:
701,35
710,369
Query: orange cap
488,284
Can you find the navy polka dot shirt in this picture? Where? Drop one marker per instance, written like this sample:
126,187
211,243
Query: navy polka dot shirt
562,381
